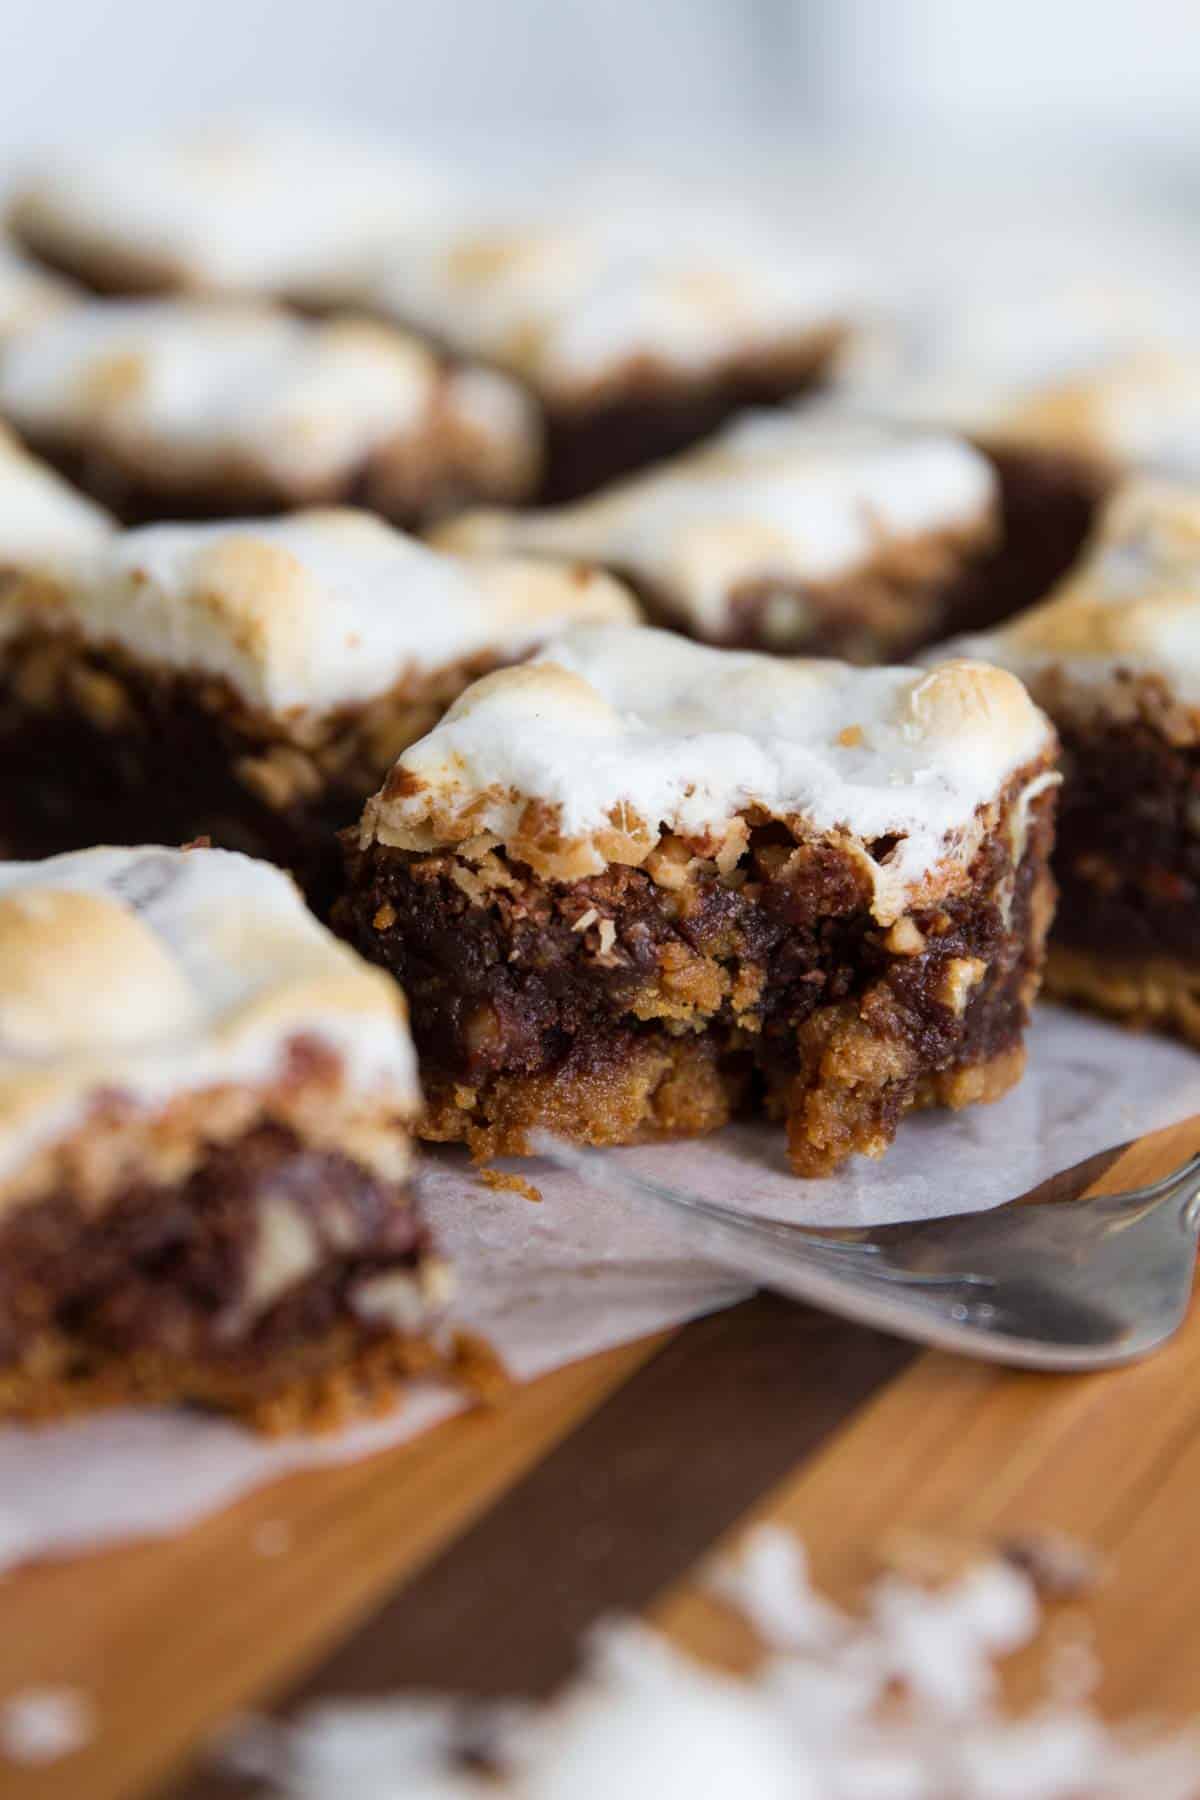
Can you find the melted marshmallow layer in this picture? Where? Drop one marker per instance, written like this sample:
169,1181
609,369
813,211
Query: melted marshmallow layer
46,528
1132,603
1086,370
149,973
618,736
27,293
185,383
246,207
570,306
315,611
801,497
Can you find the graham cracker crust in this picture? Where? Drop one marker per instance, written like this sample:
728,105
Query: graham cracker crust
851,1103
657,1089
317,1387
1158,993
858,1083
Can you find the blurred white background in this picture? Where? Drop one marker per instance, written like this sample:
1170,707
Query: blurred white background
943,121
1124,67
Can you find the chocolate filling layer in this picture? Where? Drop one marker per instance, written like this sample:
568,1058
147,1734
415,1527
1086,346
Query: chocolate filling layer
589,446
96,749
1128,854
1048,502
552,978
410,484
873,617
190,1270
166,774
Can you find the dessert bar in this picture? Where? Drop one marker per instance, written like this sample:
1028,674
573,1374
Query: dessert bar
638,340
238,207
640,885
48,532
249,683
1067,390
1114,657
206,1115
27,294
790,531
192,409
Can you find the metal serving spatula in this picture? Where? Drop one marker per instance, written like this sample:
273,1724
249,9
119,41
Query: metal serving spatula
1077,1284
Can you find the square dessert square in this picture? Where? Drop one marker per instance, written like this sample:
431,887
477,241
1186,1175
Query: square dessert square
182,409
1068,391
1114,657
232,207
638,336
252,683
28,294
206,1117
48,531
790,531
639,885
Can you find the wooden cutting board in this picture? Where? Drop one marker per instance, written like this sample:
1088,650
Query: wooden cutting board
473,1558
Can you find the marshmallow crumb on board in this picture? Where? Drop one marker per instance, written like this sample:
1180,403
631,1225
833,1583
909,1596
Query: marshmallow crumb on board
769,1586
898,1700
40,1725
1059,1568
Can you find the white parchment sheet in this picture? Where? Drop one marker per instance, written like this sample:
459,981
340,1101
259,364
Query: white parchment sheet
581,1272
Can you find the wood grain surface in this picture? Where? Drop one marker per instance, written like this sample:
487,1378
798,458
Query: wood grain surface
474,1557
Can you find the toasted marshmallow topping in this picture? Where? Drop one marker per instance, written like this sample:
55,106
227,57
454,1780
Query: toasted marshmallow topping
145,974
27,293
571,306
1133,602
304,614
793,498
193,390
1098,374
617,737
262,208
46,528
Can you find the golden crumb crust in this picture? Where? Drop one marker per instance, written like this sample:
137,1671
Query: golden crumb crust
1158,993
321,1386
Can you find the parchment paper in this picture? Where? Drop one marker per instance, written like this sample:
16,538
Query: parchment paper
580,1272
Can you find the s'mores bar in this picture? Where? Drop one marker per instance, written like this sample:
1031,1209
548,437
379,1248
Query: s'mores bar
1114,657
27,294
789,531
235,207
249,683
639,885
193,409
1067,391
637,338
206,1116
47,530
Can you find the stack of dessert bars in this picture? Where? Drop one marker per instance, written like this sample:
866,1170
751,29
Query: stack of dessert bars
461,679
